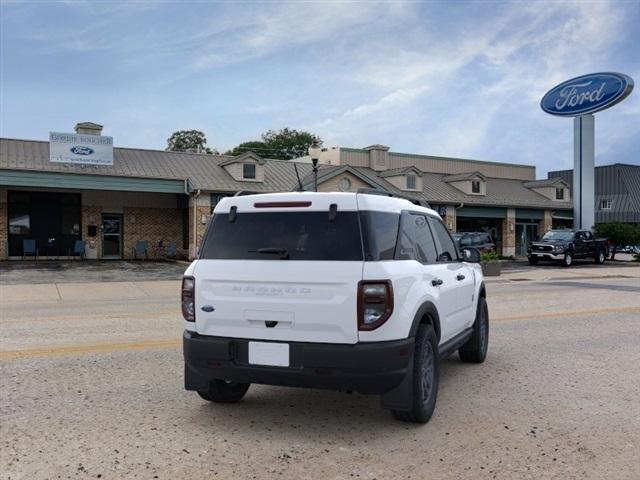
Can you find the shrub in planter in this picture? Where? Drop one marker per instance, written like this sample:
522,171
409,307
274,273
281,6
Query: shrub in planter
490,264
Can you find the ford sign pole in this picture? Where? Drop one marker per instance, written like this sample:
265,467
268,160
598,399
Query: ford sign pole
580,97
584,172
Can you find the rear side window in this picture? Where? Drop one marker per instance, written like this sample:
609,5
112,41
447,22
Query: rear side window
482,239
379,234
415,241
466,241
447,251
283,235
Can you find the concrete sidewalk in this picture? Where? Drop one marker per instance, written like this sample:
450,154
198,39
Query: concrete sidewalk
519,273
70,292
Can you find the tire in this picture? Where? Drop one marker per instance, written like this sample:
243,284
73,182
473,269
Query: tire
475,350
600,257
221,391
567,261
533,261
426,377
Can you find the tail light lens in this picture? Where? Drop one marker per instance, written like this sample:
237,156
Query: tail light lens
375,303
188,299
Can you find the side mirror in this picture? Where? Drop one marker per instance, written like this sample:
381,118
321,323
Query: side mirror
471,255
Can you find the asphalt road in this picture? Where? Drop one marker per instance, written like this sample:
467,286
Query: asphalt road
92,388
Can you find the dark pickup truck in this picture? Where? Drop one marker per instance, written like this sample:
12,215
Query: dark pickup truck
565,246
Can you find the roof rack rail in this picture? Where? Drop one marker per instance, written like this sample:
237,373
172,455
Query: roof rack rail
384,193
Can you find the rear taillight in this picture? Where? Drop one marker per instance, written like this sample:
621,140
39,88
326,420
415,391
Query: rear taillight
188,299
375,303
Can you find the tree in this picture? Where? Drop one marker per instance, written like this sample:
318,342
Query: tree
619,234
283,144
188,141
255,146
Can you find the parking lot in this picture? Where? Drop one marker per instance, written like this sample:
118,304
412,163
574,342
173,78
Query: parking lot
92,388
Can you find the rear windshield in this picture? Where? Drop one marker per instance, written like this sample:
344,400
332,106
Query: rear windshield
283,236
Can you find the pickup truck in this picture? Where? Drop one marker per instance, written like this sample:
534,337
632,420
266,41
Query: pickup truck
566,245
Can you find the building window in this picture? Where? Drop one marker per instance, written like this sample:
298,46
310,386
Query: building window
249,170
475,186
605,204
560,193
344,184
19,213
411,182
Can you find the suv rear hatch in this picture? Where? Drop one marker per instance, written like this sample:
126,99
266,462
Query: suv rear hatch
281,267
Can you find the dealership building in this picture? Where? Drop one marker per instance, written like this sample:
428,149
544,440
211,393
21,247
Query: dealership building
79,187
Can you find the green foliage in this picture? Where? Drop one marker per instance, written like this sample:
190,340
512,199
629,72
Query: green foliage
258,147
188,141
283,144
636,257
619,234
489,257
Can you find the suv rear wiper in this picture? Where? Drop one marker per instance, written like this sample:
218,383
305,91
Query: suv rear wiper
283,252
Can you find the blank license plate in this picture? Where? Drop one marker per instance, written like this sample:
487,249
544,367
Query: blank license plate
267,353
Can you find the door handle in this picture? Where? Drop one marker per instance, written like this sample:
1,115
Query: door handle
436,282
460,277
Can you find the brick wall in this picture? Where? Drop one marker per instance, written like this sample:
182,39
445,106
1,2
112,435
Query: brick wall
4,225
92,216
202,207
546,223
152,225
450,219
509,233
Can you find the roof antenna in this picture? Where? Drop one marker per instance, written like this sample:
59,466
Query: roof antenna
300,187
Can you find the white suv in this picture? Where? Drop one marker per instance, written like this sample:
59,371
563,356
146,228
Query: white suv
348,291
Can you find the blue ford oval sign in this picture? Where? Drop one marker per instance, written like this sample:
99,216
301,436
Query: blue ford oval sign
79,150
587,94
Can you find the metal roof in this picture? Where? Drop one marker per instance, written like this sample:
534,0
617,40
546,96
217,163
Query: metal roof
464,176
500,191
547,182
619,183
203,171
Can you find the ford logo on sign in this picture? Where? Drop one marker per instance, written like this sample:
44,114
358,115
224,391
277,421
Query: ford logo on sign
78,150
587,94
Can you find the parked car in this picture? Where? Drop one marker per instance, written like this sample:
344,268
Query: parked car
480,240
346,291
628,249
566,245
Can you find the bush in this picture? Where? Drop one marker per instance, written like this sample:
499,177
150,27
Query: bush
636,257
489,257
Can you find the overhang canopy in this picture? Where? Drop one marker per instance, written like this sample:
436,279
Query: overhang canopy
30,178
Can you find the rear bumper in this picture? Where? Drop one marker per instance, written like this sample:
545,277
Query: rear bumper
364,367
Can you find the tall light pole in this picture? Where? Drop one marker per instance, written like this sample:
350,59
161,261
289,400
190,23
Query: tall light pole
314,153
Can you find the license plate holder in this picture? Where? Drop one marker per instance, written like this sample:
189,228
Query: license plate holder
269,354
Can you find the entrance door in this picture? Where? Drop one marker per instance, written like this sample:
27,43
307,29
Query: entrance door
525,233
111,235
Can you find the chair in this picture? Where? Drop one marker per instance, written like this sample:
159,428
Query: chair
78,249
29,248
172,249
141,248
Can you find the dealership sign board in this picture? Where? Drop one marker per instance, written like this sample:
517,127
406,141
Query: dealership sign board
579,98
80,149
587,94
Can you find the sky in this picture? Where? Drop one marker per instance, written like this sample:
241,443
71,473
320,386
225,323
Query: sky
451,78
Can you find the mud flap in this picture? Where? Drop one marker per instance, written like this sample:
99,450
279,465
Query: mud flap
194,380
401,397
